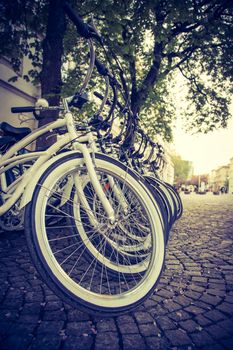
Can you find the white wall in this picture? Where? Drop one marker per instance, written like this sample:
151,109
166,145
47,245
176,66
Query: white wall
231,176
15,94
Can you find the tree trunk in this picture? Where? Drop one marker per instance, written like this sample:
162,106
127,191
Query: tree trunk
138,97
51,80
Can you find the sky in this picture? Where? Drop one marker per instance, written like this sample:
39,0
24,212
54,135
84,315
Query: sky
206,151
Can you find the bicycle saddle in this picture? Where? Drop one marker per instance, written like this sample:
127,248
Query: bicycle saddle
10,130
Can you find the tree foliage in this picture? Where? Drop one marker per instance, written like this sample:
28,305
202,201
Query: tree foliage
197,180
182,170
23,24
155,41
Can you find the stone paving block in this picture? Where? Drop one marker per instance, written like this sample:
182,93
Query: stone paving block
228,279
201,338
217,286
5,329
214,315
31,319
124,319
53,306
157,343
217,332
18,341
182,300
203,305
229,287
226,268
165,323
13,293
46,342
35,296
217,292
78,343
106,325
227,343
149,303
165,293
12,303
30,308
199,279
75,315
210,299
107,341
203,321
178,337
213,347
180,315
54,315
216,280
192,273
128,328
176,285
226,308
192,294
158,311
133,342
194,310
171,305
143,317
157,298
149,330
193,268
49,295
189,325
79,329
227,325
8,315
53,327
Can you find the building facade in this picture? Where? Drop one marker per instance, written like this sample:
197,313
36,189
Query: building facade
230,179
212,181
220,179
16,94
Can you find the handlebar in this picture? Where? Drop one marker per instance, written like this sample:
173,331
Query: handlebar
102,69
26,109
84,29
34,110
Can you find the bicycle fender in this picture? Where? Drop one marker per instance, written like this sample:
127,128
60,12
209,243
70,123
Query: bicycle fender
29,190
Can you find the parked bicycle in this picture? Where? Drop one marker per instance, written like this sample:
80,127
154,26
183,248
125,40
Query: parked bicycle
95,228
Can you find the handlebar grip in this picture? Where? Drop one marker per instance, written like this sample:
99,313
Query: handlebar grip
26,109
102,69
84,29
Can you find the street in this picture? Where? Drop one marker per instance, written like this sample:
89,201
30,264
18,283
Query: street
192,307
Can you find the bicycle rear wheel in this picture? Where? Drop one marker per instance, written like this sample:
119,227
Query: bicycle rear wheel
81,274
167,196
177,200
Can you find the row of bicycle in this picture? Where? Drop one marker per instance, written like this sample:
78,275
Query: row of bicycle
95,213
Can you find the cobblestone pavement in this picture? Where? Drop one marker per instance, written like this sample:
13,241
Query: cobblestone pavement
192,307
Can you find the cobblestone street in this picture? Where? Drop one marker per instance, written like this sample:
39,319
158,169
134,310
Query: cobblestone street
192,307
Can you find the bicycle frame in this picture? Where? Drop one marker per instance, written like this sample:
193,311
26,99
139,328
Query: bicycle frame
12,193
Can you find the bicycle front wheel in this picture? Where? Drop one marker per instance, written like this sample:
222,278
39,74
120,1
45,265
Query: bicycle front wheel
76,259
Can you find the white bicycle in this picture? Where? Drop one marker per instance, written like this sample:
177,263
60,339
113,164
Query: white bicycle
93,230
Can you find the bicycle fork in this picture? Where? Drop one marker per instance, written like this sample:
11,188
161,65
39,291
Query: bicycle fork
78,181
93,177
